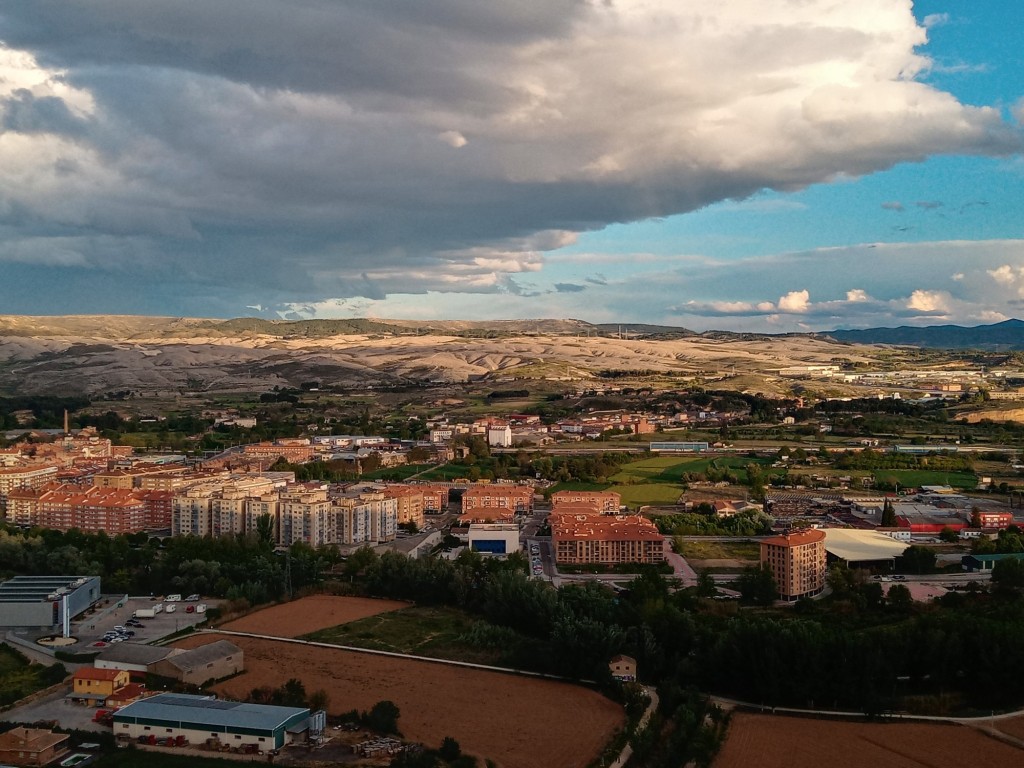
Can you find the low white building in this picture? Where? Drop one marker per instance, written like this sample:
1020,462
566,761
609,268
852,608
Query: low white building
499,436
493,538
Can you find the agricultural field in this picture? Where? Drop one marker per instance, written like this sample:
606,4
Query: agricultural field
787,742
518,722
915,478
445,473
659,480
309,614
578,485
1011,726
398,473
652,493
439,632
20,678
719,550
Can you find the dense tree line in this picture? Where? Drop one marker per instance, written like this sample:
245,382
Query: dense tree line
938,461
232,567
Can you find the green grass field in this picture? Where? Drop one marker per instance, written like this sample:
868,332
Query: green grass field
914,478
445,473
720,550
648,493
439,632
396,473
579,486
659,480
671,469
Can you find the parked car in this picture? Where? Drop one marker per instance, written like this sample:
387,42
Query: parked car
192,599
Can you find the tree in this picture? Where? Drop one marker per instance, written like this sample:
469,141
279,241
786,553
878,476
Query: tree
450,749
918,559
706,584
319,699
1008,573
265,529
948,535
899,598
382,717
888,515
840,580
975,517
757,585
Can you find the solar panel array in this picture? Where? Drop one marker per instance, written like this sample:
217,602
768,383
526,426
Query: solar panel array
181,701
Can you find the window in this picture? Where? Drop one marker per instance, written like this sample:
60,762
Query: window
237,736
145,728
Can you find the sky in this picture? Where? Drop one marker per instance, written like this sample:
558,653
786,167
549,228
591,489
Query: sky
758,165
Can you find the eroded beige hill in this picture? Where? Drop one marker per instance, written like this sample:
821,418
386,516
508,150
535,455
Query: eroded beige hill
98,354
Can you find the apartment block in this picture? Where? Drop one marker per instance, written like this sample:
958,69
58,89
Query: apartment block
495,503
606,539
797,562
608,502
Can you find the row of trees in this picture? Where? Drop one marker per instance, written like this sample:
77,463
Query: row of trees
233,567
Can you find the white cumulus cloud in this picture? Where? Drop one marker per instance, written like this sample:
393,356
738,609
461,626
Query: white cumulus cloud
795,301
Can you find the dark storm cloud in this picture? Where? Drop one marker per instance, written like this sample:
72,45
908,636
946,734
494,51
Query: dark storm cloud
266,153
23,112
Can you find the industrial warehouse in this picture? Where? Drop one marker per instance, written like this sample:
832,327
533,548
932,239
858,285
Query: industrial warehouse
204,720
46,601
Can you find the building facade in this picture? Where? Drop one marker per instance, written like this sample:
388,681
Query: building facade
797,562
606,540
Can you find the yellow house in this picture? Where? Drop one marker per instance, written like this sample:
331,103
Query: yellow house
97,684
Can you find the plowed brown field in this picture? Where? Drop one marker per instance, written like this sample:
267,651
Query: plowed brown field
1012,726
768,741
518,722
309,614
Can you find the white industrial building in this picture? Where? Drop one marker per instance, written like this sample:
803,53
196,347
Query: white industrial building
47,601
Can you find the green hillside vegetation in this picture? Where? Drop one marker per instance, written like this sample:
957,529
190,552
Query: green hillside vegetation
914,478
306,328
20,678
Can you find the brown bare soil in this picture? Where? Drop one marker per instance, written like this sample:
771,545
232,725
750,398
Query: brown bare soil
1011,726
309,614
518,722
770,741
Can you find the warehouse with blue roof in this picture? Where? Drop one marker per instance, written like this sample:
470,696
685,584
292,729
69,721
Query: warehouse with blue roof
208,720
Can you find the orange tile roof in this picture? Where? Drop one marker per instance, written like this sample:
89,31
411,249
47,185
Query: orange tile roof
796,539
606,528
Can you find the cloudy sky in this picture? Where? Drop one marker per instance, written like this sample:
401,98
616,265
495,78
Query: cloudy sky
736,164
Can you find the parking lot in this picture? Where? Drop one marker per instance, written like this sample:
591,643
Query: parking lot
90,629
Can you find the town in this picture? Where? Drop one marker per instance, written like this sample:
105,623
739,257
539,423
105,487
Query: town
716,499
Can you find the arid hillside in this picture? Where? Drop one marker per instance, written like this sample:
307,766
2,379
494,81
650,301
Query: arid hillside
96,354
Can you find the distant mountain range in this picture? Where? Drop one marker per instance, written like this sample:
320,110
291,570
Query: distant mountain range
1005,336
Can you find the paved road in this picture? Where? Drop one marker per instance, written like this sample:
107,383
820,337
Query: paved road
680,568
627,751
